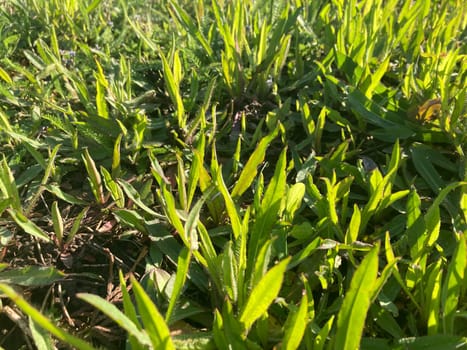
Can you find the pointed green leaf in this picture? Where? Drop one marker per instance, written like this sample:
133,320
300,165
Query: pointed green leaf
263,294
116,315
250,170
27,225
42,321
32,276
295,326
153,321
352,315
183,265
452,286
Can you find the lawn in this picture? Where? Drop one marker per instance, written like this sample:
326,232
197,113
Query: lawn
233,174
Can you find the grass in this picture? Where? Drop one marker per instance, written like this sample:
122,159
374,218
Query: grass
233,174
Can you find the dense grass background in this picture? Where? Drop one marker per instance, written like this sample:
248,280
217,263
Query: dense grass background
233,174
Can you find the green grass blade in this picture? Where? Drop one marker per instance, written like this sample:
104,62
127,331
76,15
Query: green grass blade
432,290
8,186
295,326
232,210
351,316
31,276
57,221
321,337
94,177
43,321
263,294
455,279
27,225
134,195
116,315
183,264
129,310
152,320
269,211
114,189
250,170
174,91
42,339
354,226
434,342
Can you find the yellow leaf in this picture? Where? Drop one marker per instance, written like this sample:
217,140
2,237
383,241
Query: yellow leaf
429,110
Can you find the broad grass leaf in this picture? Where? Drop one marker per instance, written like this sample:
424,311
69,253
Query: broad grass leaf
27,225
354,226
263,294
351,317
57,191
183,265
43,321
57,221
134,195
295,326
453,284
94,177
101,85
174,91
230,272
421,157
358,103
261,262
192,221
386,321
42,338
32,276
432,290
383,188
152,320
233,328
131,218
171,212
415,225
8,186
433,342
183,17
269,211
114,189
218,331
294,200
250,170
129,310
321,337
116,315
433,225
232,210
5,76
305,252
376,76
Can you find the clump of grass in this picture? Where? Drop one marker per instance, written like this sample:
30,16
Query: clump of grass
233,174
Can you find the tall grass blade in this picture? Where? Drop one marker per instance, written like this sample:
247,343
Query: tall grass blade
152,320
183,264
351,316
116,315
263,294
452,286
43,321
295,326
94,177
251,168
27,225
